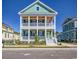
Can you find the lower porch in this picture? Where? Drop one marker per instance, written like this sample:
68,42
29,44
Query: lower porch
29,35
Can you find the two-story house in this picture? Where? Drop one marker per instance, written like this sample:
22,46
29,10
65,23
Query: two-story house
38,19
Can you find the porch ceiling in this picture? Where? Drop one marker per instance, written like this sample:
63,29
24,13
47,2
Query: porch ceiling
39,17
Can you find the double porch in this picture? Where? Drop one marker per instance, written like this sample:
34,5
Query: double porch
29,35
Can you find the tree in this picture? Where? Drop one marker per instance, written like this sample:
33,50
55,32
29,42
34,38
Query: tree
36,39
3,43
17,41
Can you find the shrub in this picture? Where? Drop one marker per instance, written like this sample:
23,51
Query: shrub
23,42
17,42
60,43
3,41
36,39
42,42
8,42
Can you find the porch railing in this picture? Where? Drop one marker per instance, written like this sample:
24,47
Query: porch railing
49,24
33,24
25,37
32,37
24,24
41,24
41,37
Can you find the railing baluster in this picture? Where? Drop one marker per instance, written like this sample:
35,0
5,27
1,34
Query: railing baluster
35,24
25,24
25,37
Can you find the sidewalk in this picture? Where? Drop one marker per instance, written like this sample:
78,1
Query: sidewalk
39,48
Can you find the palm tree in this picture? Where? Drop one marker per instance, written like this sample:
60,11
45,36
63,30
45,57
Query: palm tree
36,39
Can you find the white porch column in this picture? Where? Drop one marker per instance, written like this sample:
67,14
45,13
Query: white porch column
45,26
37,25
28,29
52,33
55,29
20,28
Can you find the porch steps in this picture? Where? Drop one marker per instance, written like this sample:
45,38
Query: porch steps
51,41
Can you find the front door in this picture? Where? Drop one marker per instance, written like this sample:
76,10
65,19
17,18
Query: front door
49,34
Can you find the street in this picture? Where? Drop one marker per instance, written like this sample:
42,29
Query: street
39,53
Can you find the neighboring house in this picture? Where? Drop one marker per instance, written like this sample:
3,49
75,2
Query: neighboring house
7,32
69,30
38,19
16,36
60,36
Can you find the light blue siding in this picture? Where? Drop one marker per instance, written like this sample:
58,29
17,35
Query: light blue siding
33,9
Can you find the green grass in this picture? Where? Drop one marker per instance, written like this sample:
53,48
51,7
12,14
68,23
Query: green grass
40,45
36,46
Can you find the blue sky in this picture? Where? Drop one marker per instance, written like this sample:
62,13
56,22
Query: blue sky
10,9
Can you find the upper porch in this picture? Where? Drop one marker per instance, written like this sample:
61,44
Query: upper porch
39,21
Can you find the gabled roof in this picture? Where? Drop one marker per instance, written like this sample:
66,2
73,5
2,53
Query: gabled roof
40,3
6,25
16,33
69,19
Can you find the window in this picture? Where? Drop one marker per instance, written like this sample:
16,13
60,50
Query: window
5,35
41,33
33,20
24,21
32,33
25,33
8,35
37,8
75,24
41,21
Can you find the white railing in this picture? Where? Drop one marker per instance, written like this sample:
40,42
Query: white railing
33,24
41,37
24,24
49,24
32,37
25,37
41,24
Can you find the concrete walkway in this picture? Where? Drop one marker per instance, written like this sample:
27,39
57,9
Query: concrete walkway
39,48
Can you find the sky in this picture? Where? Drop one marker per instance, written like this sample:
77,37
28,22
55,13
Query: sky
10,9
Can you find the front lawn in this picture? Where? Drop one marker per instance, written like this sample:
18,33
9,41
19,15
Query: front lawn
38,46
